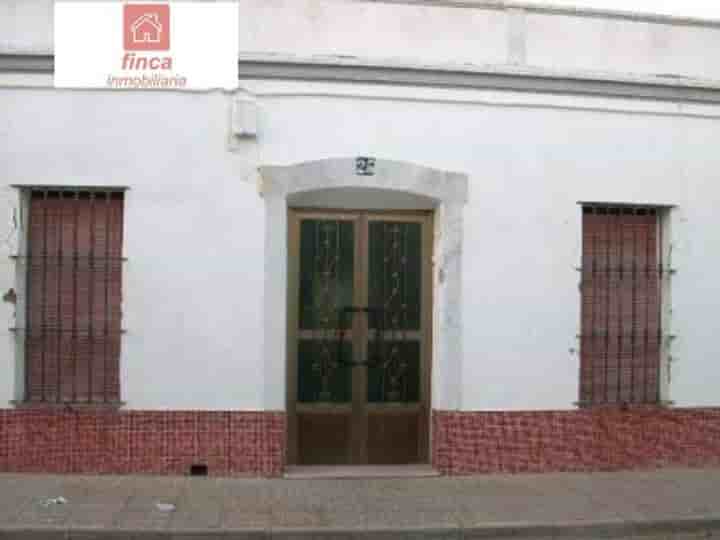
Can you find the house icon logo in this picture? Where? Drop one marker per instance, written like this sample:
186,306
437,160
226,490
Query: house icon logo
146,27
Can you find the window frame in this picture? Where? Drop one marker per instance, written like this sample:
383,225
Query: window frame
22,272
664,213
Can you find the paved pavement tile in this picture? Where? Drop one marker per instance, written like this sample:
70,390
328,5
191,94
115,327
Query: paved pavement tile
93,515
292,534
388,487
685,505
36,513
321,503
47,534
315,516
246,508
437,516
11,506
203,515
250,518
134,519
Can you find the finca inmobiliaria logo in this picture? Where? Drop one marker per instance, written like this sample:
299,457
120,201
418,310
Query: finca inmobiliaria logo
146,44
147,61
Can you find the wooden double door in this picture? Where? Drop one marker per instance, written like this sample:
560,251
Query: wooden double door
359,343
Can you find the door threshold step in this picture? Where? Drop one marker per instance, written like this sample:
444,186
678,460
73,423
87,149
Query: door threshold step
298,472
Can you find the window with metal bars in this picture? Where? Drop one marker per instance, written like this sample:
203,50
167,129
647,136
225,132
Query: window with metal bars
73,281
622,283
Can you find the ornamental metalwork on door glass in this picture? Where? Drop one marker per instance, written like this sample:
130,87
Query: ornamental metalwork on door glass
394,291
326,285
388,335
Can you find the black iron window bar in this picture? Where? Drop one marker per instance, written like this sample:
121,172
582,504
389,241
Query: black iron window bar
634,351
60,333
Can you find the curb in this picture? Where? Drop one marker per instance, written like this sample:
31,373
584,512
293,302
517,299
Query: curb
695,526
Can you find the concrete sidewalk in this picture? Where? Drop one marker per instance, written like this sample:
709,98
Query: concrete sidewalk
663,504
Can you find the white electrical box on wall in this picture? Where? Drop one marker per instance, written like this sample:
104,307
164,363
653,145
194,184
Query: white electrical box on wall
244,118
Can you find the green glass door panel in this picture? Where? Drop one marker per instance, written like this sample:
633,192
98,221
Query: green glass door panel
394,284
327,256
395,273
321,379
397,380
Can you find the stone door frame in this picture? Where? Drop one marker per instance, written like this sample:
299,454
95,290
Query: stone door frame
449,193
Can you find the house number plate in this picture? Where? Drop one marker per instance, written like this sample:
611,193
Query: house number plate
365,166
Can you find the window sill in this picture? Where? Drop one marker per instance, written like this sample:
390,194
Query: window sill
68,406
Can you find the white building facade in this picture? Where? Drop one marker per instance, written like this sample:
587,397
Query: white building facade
544,180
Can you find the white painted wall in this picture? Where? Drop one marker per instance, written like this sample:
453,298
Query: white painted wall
621,46
26,26
435,34
528,168
477,33
194,221
8,247
193,234
480,35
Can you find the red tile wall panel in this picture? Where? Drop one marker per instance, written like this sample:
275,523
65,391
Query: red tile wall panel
142,442
253,443
603,439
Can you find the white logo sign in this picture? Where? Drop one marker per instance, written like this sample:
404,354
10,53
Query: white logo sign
146,45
